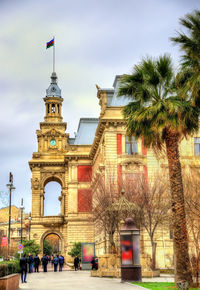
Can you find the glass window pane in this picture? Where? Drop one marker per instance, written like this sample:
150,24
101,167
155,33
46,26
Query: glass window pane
196,149
128,148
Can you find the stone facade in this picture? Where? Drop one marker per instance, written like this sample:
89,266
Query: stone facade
72,164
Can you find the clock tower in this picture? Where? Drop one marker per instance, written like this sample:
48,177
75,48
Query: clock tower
48,164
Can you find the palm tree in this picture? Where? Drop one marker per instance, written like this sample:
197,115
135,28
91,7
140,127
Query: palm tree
190,45
161,117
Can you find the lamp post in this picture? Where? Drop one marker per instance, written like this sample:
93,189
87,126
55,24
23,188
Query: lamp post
21,208
130,252
29,226
11,188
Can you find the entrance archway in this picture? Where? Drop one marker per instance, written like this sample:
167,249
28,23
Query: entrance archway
52,244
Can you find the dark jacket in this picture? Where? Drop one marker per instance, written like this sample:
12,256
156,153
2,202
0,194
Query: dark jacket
36,261
61,260
30,259
76,260
23,264
56,260
44,260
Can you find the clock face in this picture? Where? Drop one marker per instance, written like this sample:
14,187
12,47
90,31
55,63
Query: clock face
53,89
53,142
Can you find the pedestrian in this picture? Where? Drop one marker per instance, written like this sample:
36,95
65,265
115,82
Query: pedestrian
61,262
55,262
23,266
36,261
44,262
93,263
76,263
30,262
52,257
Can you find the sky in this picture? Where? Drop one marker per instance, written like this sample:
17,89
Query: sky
95,40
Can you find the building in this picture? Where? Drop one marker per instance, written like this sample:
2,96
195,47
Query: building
73,162
15,226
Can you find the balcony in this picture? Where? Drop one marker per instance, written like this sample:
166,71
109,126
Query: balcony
49,221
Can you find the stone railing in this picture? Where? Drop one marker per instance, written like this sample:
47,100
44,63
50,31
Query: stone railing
108,266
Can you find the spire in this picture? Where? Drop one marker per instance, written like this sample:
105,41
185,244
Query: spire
53,90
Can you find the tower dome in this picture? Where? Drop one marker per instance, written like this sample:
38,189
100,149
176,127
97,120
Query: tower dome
53,90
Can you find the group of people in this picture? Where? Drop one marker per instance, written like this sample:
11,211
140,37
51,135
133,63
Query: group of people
30,262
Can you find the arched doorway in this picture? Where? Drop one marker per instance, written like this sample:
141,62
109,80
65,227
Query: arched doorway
52,205
52,244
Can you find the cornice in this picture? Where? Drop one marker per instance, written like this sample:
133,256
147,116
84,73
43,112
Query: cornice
103,123
42,163
77,157
51,124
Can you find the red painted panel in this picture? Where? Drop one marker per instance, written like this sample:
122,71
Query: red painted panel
145,172
84,173
119,144
84,200
144,149
119,175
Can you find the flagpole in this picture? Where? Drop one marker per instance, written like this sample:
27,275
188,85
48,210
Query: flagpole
54,54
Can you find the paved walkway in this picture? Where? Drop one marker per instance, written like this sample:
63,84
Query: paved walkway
71,280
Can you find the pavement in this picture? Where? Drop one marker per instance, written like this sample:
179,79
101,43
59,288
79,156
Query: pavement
80,280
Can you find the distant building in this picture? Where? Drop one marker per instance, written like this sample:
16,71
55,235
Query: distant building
15,228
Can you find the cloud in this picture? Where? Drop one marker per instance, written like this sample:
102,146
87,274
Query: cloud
95,40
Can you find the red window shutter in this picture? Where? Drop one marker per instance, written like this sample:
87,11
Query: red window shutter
145,172
84,200
84,173
119,175
144,149
119,144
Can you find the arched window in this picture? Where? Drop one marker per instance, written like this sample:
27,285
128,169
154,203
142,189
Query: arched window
53,108
58,108
51,203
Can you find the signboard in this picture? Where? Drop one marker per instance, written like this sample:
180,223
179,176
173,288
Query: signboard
127,250
88,252
4,241
20,252
20,247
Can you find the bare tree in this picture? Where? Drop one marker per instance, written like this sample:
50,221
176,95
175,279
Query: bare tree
152,196
192,199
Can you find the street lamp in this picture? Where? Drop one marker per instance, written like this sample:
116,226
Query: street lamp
11,188
29,219
21,208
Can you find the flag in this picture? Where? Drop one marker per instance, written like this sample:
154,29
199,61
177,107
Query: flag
50,43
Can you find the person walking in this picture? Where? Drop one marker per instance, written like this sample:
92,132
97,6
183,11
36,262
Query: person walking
52,257
44,262
36,261
55,262
76,263
93,263
61,262
23,267
30,262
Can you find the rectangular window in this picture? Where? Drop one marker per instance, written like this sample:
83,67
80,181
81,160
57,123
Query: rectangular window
196,146
131,145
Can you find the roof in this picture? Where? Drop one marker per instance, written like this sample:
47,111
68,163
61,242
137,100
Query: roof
86,131
118,102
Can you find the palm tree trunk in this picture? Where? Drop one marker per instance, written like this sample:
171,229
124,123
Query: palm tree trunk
182,261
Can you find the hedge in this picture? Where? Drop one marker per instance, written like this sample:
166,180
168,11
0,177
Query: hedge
9,267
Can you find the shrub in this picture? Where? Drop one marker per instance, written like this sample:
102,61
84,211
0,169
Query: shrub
9,267
76,250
